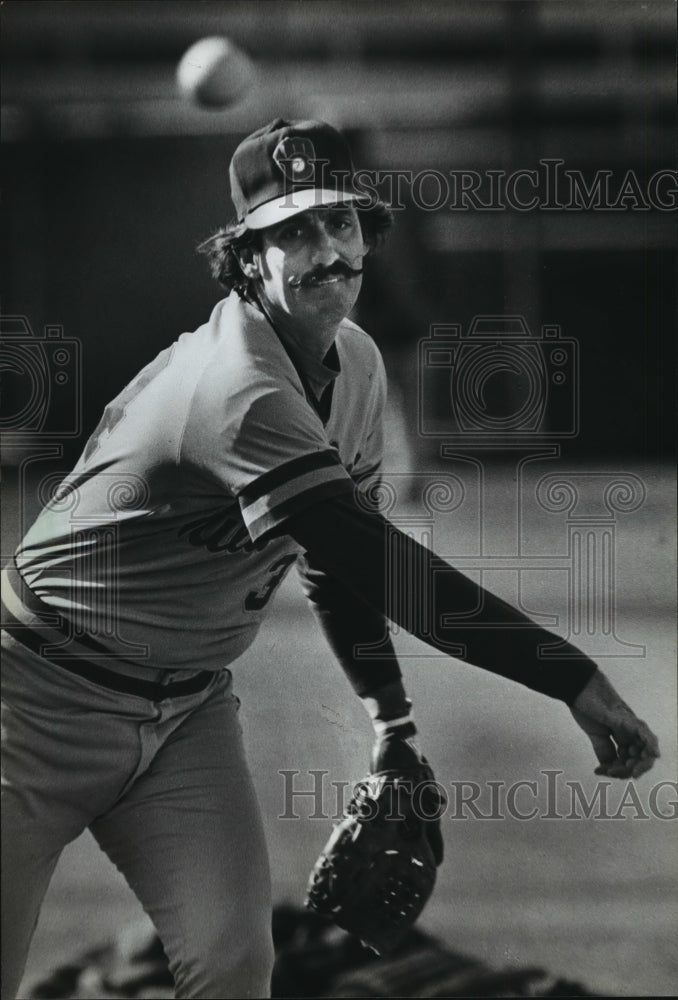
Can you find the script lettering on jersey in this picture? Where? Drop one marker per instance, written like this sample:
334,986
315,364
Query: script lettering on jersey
115,410
257,600
221,530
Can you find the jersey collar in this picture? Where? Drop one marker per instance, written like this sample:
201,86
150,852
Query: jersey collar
316,374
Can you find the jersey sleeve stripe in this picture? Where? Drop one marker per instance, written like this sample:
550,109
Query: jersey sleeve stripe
273,515
292,488
269,481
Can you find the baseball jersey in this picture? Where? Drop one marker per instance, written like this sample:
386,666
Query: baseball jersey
163,542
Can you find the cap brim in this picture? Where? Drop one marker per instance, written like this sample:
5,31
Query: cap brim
287,205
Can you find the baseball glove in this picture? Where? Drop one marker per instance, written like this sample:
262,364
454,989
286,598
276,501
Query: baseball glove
378,868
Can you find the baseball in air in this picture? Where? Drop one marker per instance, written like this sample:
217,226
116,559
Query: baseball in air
214,73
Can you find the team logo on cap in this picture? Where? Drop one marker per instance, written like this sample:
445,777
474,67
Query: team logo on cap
295,155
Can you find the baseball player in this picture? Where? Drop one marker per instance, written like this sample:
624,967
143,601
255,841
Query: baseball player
229,458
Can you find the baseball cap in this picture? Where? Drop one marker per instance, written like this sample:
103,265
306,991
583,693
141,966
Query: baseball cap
287,167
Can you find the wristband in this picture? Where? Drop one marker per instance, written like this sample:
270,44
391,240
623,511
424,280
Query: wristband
389,708
382,726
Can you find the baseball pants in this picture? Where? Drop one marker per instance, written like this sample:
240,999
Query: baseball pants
165,789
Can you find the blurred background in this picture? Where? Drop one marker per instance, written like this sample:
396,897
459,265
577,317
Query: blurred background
111,179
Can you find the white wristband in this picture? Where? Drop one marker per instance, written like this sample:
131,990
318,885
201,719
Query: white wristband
381,727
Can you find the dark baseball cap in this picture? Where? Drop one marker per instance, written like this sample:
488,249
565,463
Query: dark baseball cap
287,167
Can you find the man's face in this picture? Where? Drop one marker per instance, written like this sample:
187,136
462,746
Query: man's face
309,267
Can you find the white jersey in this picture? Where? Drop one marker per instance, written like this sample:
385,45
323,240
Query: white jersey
156,543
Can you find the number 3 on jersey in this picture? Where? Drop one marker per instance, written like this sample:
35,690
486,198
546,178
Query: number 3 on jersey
258,599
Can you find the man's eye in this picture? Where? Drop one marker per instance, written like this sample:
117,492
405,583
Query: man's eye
291,233
342,223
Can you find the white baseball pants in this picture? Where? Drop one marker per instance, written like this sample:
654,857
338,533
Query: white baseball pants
165,789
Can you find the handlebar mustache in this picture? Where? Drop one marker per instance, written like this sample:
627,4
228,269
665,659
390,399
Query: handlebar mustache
337,270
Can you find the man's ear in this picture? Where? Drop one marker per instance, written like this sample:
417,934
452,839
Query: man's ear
249,262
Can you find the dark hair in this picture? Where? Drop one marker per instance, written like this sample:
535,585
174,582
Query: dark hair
222,249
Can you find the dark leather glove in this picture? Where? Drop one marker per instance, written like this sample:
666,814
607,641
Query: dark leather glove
396,751
378,868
